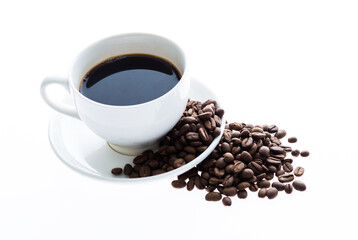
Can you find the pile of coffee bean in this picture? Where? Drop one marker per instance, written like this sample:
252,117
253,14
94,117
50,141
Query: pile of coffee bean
247,157
194,132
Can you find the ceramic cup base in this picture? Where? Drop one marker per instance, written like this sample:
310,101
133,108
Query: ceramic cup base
132,151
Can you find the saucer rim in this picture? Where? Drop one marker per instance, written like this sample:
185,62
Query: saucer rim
82,169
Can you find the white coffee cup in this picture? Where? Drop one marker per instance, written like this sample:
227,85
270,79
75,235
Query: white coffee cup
128,129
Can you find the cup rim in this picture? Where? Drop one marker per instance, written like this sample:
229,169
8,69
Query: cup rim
183,76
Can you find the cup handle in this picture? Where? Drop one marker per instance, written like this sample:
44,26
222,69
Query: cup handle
67,109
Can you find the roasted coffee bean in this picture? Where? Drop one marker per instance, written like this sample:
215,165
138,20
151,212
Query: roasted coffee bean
117,171
189,119
280,172
226,201
228,181
247,142
280,133
217,120
152,163
184,129
286,148
220,112
295,153
255,167
272,128
245,134
262,193
253,187
144,171
273,160
205,115
190,173
299,185
179,162
219,172
178,183
210,188
276,150
264,151
235,126
289,160
216,132
258,135
288,188
136,168
269,176
228,157
195,143
229,191
209,163
140,159
236,141
228,168
263,184
127,170
261,176
225,147
134,175
201,149
247,173
238,167
272,193
189,157
292,139
287,167
213,196
242,194
215,181
203,134
198,183
286,178
192,136
243,185
299,171
190,149
190,185
305,153
220,163
279,186
157,172
246,157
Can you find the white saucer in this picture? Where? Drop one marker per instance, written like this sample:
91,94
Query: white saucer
83,151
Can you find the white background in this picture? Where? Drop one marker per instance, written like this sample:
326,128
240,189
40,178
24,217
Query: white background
291,63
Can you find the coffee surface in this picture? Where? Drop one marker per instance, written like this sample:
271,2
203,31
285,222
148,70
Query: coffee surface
129,80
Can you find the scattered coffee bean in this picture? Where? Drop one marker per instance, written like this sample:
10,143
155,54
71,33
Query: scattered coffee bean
292,139
117,171
226,201
127,170
305,153
288,188
286,178
279,186
272,193
295,153
262,192
280,134
178,183
299,185
299,171
247,157
213,196
242,194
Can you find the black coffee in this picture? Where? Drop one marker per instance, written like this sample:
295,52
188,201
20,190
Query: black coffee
129,79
